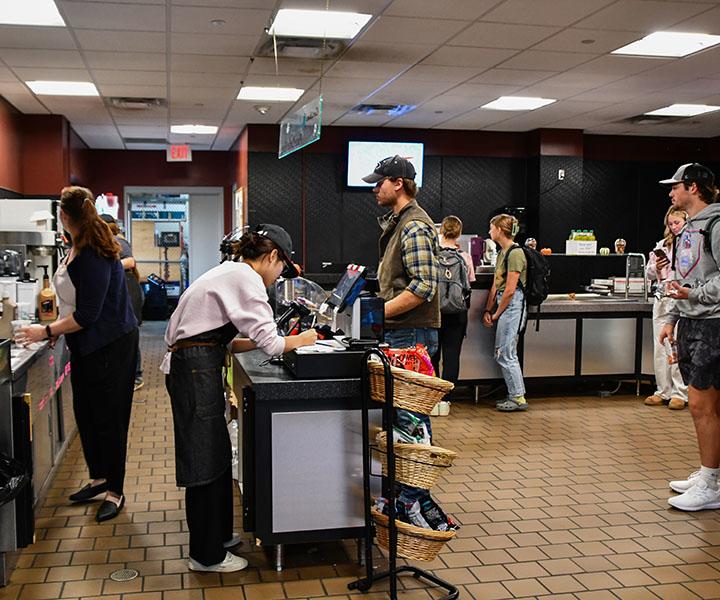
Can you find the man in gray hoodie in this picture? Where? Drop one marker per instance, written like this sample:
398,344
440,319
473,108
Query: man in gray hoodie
696,311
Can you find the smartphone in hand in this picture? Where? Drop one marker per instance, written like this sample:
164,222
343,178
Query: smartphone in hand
660,254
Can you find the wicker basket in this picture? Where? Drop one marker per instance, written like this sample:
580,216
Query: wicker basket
416,464
411,391
413,542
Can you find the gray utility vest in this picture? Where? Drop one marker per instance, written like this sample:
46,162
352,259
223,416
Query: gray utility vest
392,276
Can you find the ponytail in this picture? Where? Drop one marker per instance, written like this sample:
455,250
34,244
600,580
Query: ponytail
79,205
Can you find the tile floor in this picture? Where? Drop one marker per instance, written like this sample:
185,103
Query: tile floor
567,500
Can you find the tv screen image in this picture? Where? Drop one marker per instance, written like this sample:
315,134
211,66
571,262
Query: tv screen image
364,156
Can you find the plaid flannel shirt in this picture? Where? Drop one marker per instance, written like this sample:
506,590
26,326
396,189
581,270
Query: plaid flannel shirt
420,258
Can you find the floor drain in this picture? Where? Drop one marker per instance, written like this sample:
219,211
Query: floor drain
124,575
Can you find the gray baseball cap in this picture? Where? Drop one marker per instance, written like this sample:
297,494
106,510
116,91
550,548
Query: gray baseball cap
691,173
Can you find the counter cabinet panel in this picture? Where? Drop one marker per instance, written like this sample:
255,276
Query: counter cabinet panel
550,352
608,347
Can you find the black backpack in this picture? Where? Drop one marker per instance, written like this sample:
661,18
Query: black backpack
537,288
453,283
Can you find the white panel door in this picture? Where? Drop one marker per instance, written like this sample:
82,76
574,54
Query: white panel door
205,230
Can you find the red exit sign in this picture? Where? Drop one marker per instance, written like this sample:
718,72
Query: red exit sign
179,153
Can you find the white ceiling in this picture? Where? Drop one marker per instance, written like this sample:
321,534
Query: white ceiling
447,57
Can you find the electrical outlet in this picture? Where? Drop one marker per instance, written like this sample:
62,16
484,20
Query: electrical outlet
561,174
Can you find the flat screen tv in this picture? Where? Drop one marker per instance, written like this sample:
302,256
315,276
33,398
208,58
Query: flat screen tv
363,156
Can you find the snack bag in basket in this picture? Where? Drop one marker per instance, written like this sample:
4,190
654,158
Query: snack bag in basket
413,359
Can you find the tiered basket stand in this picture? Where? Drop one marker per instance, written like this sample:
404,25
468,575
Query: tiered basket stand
393,570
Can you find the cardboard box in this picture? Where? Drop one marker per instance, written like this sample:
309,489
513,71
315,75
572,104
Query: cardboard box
582,247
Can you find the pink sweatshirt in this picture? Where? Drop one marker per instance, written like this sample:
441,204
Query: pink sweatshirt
231,292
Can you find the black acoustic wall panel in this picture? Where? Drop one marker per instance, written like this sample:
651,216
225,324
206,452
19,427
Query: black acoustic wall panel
360,228
323,211
431,193
559,202
473,187
275,194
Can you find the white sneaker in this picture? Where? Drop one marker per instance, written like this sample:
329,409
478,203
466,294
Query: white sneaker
699,497
231,564
683,485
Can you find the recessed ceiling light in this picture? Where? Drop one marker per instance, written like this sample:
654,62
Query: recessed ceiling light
218,22
63,88
191,129
683,110
518,103
669,43
587,41
317,24
30,12
270,94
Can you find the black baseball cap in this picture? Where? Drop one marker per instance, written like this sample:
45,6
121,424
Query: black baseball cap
392,166
691,173
284,243
108,218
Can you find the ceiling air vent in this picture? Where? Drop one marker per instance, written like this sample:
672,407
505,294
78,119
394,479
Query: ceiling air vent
142,140
307,48
650,120
124,103
392,110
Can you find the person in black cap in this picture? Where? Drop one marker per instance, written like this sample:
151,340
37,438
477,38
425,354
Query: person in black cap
408,272
228,299
696,313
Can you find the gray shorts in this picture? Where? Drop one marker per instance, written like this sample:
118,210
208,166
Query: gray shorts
699,352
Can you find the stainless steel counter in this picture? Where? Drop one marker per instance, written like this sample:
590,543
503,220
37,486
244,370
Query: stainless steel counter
590,335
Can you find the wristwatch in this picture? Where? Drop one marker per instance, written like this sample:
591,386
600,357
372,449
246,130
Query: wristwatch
48,331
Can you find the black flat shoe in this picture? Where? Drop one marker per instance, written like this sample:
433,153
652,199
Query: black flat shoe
88,492
109,510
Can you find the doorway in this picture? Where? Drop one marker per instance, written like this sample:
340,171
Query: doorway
175,232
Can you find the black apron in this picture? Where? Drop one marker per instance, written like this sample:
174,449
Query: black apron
197,396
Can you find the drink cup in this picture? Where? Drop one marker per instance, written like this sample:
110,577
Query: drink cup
16,327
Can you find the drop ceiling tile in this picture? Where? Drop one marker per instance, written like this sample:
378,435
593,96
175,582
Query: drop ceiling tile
206,80
440,74
708,21
296,81
113,77
545,61
620,65
130,90
126,61
359,120
245,113
226,138
474,119
402,91
120,41
155,116
498,35
262,4
421,118
480,58
132,146
514,77
7,75
362,6
115,16
379,52
12,87
642,16
451,104
477,93
26,103
365,70
50,38
545,89
407,30
191,115
209,64
197,19
146,131
210,97
544,12
100,137
266,66
226,45
355,87
587,41
573,80
16,57
49,74
466,9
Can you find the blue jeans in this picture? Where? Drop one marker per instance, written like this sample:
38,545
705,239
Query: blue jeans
409,338
506,340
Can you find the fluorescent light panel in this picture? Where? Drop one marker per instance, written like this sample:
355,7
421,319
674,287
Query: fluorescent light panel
683,110
317,24
669,43
30,12
194,129
270,94
518,103
63,88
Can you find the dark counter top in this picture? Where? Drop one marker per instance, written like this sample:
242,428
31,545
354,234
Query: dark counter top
593,303
276,382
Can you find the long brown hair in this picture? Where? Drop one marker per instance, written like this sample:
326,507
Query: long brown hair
79,205
508,224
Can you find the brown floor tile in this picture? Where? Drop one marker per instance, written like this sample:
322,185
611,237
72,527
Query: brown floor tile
40,591
80,589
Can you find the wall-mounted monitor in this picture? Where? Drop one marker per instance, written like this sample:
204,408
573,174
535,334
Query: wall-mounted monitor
363,156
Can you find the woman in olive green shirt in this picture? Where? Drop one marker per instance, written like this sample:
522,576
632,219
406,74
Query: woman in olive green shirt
506,308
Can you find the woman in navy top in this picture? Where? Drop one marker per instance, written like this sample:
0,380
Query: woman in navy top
101,333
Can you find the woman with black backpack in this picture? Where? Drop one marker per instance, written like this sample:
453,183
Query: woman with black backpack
456,273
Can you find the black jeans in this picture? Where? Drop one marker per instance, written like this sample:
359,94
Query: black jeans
102,384
450,339
209,510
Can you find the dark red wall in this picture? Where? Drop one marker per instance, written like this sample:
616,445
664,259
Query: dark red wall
10,148
112,170
44,154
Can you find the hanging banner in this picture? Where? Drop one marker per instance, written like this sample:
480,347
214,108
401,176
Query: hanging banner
301,128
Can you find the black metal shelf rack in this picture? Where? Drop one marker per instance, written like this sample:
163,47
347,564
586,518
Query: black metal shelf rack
388,488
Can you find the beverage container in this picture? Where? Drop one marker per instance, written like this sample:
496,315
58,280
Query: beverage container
47,302
17,325
671,349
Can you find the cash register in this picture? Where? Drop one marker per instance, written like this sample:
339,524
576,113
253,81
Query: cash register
357,317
